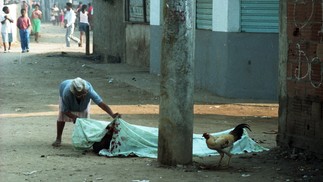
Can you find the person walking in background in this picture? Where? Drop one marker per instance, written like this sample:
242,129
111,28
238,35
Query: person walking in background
55,14
90,15
70,18
79,7
26,7
23,24
6,28
77,12
36,21
75,97
84,23
61,18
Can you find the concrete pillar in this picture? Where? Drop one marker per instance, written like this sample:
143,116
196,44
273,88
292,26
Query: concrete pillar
177,83
109,37
282,68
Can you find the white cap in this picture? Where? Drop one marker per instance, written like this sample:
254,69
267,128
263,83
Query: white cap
78,84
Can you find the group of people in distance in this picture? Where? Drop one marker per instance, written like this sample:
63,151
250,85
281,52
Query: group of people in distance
82,17
67,17
23,24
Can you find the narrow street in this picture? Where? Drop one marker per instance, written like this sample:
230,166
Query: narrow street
28,112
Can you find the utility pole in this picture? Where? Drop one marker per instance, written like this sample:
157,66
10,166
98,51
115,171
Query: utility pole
87,36
177,83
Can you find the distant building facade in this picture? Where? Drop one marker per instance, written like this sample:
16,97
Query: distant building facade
236,52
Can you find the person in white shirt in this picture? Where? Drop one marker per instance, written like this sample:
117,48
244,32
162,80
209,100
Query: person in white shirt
84,23
6,28
70,18
55,13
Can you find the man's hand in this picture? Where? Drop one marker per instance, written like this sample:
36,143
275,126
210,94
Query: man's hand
74,119
116,115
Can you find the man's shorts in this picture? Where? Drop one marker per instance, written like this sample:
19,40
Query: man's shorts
63,118
6,37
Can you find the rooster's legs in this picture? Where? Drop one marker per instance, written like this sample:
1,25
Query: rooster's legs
222,155
229,155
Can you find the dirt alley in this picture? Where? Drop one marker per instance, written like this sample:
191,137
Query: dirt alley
28,111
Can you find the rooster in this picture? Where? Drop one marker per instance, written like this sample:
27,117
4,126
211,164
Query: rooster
224,143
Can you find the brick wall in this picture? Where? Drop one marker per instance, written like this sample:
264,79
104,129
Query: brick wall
303,117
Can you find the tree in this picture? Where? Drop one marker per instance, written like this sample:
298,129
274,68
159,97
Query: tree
177,83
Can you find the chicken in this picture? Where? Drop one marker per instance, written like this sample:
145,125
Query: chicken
224,143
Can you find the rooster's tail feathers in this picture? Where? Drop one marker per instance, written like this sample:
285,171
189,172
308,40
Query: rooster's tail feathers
237,132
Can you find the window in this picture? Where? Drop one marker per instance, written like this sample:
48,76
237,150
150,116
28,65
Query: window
204,14
137,11
260,16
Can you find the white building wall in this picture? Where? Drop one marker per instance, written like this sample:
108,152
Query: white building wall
226,16
220,64
155,12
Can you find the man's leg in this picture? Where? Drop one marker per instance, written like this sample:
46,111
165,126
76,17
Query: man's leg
81,38
72,37
60,127
5,47
22,40
4,39
10,40
36,37
67,36
75,39
27,40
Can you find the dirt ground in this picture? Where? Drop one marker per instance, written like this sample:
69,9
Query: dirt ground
28,110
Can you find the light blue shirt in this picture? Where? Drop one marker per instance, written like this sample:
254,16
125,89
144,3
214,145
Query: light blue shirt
69,100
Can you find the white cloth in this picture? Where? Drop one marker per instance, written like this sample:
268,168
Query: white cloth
88,131
70,17
142,141
7,26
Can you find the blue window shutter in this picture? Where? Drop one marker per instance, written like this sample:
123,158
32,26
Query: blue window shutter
260,16
204,14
